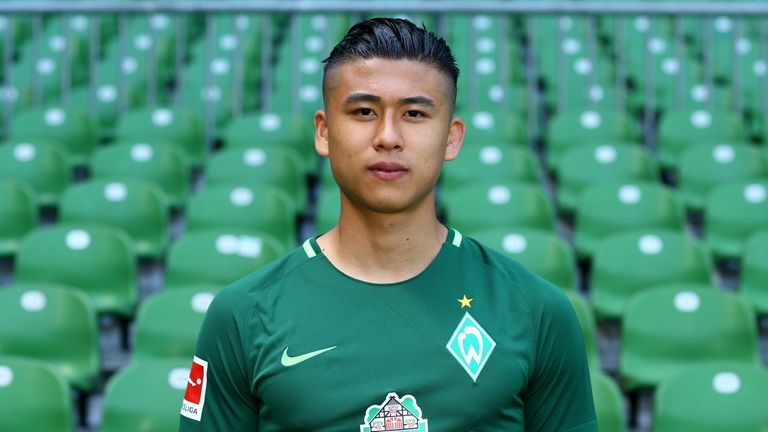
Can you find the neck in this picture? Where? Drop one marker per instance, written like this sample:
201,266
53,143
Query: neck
383,248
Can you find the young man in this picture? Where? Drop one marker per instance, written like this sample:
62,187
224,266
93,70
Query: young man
390,321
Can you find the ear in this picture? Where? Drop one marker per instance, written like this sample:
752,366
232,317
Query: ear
455,138
321,134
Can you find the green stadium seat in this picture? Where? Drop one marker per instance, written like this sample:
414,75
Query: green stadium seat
703,168
623,262
95,258
609,208
262,208
713,398
588,328
161,163
544,252
72,128
609,402
668,329
499,162
180,126
137,207
486,204
150,40
219,256
754,271
328,208
18,211
732,213
44,166
145,397
493,127
34,397
167,324
585,165
55,325
683,128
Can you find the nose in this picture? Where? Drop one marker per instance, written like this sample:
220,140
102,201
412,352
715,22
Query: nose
388,135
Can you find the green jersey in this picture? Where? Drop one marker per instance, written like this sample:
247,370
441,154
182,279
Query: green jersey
475,342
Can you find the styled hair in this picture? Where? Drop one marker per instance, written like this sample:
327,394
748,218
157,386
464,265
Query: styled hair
393,39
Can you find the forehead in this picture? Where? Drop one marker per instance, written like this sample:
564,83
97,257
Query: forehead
386,78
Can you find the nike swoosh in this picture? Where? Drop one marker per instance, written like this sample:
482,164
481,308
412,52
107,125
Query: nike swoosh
288,361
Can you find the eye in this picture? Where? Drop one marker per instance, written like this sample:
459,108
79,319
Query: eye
365,112
414,114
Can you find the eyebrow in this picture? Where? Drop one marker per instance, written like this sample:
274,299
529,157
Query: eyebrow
367,97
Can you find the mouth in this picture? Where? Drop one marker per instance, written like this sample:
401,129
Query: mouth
388,170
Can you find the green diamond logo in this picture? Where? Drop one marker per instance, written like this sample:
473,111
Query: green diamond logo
471,345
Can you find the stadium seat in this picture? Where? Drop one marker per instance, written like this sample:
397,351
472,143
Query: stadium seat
713,398
18,211
219,256
732,213
667,329
544,252
499,128
137,207
34,397
702,168
45,167
167,323
485,204
683,128
263,208
609,402
163,164
628,262
95,258
328,208
588,328
612,207
754,271
71,128
55,325
584,165
499,162
145,397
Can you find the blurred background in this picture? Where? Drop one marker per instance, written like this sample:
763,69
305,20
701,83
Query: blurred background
153,152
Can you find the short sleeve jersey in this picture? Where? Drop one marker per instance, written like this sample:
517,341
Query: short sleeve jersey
475,342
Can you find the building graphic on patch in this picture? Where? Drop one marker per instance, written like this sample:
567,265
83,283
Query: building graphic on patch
395,414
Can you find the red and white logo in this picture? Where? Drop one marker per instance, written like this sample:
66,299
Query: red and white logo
194,398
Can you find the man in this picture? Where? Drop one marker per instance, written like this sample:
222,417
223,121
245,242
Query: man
389,321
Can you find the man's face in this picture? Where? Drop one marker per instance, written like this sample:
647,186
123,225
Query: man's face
387,128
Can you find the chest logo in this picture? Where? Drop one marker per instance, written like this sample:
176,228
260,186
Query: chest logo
288,361
471,345
395,414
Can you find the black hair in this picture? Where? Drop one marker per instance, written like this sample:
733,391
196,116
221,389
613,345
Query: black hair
393,39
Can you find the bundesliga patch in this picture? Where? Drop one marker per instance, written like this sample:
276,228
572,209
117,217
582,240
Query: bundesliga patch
471,345
395,414
194,398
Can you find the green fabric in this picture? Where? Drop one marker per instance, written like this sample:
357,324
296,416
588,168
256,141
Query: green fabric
733,212
43,165
391,338
754,271
18,211
667,329
22,397
54,324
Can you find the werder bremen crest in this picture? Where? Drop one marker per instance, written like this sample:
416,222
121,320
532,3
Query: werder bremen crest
471,346
395,414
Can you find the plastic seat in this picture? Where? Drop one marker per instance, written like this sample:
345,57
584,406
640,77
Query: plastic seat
668,329
137,207
163,164
499,128
703,168
265,209
609,402
55,325
575,128
328,208
70,127
34,397
145,397
712,399
219,256
544,252
588,328
181,126
585,165
754,271
18,211
681,129
628,262
167,323
605,209
499,162
44,166
484,205
732,213
95,258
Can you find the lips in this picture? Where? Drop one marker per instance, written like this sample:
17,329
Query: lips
388,170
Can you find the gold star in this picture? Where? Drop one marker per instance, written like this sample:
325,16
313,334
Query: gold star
465,302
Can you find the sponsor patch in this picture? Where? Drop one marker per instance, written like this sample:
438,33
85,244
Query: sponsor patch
395,414
194,398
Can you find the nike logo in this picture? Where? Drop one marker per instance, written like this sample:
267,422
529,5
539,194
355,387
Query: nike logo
288,361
